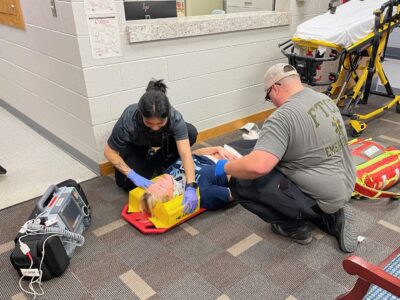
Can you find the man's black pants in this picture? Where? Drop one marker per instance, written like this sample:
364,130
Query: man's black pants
139,159
275,199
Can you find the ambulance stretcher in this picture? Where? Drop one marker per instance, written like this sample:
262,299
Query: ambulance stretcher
354,34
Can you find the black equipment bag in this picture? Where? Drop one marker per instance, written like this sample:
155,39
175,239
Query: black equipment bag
56,260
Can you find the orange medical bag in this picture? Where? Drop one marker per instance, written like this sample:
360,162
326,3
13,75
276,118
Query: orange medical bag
378,168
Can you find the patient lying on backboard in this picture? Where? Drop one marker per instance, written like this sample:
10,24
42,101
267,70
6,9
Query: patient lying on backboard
214,191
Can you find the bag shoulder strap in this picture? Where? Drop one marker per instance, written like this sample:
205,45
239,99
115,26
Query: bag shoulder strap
365,191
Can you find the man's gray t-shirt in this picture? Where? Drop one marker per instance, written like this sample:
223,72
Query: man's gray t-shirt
308,135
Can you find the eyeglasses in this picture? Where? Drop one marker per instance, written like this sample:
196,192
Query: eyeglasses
267,98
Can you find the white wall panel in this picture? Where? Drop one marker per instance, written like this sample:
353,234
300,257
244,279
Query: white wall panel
216,83
154,49
62,46
102,80
66,14
309,7
55,70
80,18
57,121
100,110
102,133
119,101
205,62
139,73
62,73
196,111
17,55
53,93
172,47
394,38
14,35
39,13
216,120
42,74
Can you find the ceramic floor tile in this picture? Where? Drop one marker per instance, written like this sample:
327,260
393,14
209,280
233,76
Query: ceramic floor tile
32,163
15,188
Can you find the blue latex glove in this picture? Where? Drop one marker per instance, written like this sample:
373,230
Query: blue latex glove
189,200
220,167
139,180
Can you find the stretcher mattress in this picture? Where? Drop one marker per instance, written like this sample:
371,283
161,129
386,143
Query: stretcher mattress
351,22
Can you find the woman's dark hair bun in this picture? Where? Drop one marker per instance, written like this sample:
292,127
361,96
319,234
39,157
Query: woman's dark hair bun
154,102
157,85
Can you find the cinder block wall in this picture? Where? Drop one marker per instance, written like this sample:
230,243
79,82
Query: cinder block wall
41,75
394,40
48,73
212,79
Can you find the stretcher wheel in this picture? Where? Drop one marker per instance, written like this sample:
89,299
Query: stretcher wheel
398,108
355,133
357,127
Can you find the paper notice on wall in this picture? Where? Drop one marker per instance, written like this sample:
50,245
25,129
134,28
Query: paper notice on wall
99,6
104,36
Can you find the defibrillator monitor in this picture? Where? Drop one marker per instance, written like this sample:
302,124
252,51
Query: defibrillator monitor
71,215
68,209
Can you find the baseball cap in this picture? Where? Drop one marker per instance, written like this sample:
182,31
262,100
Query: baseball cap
278,72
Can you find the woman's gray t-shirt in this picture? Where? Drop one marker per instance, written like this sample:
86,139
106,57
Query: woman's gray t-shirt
308,135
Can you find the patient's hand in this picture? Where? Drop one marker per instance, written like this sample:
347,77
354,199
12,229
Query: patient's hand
224,154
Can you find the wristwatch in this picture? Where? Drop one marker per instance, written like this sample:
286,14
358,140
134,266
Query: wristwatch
192,184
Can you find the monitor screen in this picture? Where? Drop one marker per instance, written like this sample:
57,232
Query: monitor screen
71,214
139,10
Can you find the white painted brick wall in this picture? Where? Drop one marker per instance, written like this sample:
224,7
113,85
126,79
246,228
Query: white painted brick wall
122,99
65,74
394,38
55,94
214,79
41,74
102,80
72,130
138,73
63,47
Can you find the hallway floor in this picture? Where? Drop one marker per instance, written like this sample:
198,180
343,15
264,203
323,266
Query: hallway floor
32,162
226,254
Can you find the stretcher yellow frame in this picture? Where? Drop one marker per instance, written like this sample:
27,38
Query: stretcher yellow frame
374,45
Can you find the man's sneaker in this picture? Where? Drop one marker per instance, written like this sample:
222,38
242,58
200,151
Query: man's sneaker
299,234
345,230
2,170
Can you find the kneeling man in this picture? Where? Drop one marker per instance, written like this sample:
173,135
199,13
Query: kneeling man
301,170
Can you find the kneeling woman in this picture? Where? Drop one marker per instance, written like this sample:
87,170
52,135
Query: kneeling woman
214,191
152,123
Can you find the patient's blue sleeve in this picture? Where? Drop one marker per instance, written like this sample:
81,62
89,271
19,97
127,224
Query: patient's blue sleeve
214,192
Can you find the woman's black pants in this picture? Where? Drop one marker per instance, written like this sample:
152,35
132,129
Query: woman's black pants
147,163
